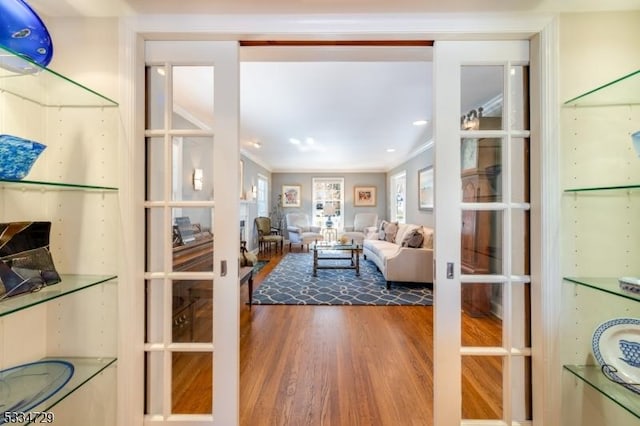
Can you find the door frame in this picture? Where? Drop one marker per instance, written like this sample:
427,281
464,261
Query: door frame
542,30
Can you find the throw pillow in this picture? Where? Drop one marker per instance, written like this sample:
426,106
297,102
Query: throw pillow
390,231
413,239
381,229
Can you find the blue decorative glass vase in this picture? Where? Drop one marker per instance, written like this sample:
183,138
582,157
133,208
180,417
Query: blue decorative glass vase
17,156
23,32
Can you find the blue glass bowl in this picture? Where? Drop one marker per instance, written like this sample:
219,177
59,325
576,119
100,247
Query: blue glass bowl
23,32
17,156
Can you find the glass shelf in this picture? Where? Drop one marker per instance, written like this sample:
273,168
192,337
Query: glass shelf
622,91
85,369
605,188
622,396
46,87
606,284
69,284
59,186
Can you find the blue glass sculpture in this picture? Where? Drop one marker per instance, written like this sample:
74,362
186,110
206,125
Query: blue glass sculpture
25,386
17,156
23,32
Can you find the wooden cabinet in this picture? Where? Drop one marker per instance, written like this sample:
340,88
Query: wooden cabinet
481,230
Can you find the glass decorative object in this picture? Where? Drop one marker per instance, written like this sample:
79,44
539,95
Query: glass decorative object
17,156
23,32
25,386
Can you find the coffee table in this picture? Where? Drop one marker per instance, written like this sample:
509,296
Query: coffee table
323,250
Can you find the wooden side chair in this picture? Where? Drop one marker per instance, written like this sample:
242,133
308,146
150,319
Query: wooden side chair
267,234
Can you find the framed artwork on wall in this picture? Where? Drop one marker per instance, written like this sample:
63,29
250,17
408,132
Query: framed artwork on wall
364,196
425,188
291,195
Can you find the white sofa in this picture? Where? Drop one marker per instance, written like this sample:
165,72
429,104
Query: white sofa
398,263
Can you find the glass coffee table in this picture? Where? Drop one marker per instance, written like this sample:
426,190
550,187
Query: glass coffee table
323,250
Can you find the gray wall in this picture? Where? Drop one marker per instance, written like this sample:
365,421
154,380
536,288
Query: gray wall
350,181
411,167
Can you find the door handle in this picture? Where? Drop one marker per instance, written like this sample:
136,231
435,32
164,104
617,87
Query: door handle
223,268
450,270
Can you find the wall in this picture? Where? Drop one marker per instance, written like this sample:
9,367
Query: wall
350,181
595,49
411,166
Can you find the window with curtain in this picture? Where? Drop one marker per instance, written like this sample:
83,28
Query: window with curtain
328,201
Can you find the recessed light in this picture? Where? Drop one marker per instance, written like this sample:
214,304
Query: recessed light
257,144
294,141
391,150
420,122
310,141
161,71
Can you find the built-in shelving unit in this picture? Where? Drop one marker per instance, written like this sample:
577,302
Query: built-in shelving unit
607,209
85,369
72,185
69,284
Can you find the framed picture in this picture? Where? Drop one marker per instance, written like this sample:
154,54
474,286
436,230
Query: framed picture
364,196
425,188
291,195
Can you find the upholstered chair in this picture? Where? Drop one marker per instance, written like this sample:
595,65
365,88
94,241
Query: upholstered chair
267,235
364,225
301,231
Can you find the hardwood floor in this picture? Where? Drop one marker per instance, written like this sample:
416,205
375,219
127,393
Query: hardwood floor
340,365
360,365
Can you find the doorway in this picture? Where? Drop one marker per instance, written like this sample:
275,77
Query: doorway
457,154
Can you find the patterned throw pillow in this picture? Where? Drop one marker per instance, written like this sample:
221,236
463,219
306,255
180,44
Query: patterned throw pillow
413,239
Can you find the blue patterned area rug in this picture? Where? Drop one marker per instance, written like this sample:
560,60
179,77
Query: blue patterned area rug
292,283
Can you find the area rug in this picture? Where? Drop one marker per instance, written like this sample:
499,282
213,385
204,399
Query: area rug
291,283
259,265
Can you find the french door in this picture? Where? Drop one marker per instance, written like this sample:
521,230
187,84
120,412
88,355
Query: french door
192,210
482,210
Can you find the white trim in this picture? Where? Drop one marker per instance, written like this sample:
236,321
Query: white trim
545,217
131,355
343,26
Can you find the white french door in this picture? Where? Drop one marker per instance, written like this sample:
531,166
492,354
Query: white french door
482,231
192,227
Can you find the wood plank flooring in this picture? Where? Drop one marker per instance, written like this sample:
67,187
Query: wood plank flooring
335,365
361,365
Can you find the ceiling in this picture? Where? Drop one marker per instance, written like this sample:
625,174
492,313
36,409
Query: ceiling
344,106
133,7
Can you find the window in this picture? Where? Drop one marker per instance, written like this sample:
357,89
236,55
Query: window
328,202
398,197
262,196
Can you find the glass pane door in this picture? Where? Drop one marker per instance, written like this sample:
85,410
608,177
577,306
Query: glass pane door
482,321
192,245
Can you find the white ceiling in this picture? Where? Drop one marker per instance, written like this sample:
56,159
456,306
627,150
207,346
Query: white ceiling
132,7
355,103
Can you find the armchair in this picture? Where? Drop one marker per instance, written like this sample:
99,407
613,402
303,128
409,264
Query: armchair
364,224
301,231
267,235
